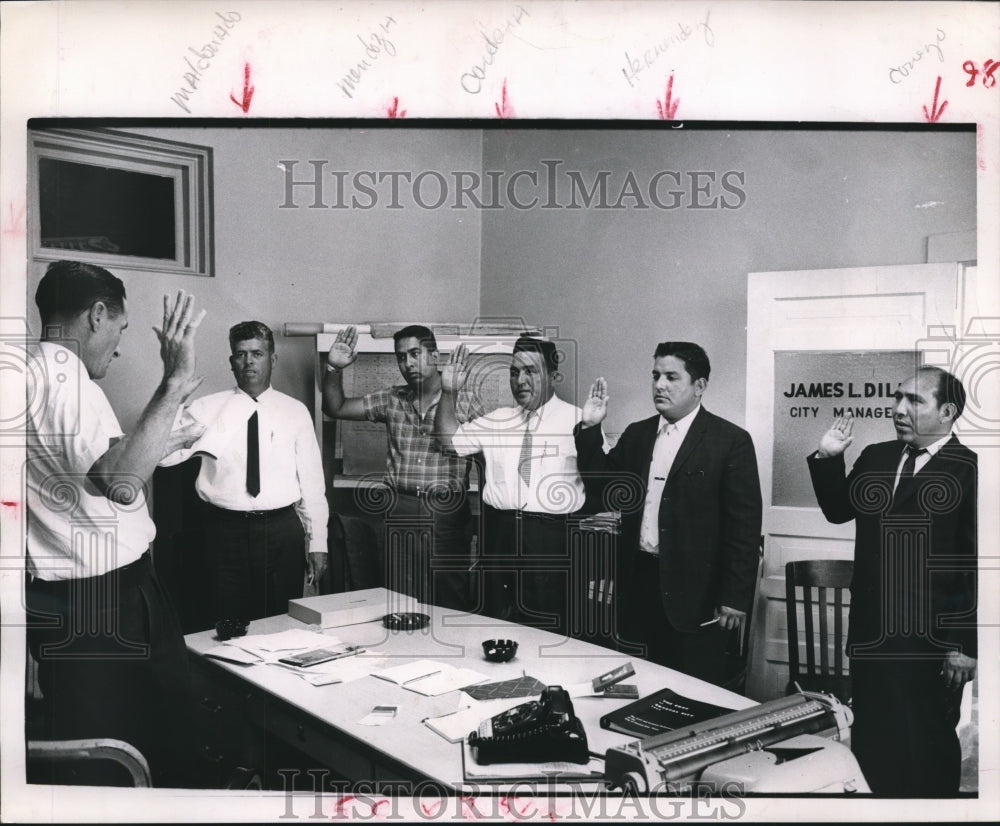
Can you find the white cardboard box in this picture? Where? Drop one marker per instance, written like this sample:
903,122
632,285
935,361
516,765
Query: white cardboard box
349,608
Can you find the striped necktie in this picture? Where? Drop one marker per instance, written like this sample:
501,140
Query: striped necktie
524,460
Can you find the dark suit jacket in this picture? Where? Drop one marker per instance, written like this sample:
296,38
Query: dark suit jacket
709,517
918,548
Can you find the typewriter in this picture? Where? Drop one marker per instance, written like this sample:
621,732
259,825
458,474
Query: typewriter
791,745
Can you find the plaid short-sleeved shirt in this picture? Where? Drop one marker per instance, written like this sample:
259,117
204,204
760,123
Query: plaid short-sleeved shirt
415,460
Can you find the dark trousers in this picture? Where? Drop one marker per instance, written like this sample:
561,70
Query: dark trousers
700,653
112,663
525,568
260,560
904,735
425,547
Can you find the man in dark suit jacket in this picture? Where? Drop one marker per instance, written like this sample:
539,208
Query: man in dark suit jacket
689,548
912,629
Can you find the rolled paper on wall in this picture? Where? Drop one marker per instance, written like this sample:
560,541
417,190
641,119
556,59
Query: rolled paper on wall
385,329
315,328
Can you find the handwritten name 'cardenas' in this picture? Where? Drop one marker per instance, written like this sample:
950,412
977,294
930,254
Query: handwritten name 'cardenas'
203,58
472,80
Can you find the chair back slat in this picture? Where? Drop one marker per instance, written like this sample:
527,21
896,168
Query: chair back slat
838,630
824,634
807,607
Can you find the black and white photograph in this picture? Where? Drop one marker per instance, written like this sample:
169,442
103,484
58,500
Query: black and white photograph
499,427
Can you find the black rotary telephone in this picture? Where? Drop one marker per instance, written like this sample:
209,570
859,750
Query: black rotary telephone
541,731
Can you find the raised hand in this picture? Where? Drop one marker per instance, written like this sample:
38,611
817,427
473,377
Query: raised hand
181,438
595,408
343,351
456,371
176,337
836,440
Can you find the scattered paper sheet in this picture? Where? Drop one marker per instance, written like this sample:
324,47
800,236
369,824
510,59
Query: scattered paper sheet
454,727
345,670
290,640
430,678
232,654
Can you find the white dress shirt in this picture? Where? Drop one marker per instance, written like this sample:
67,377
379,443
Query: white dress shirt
921,461
556,486
668,441
74,531
291,467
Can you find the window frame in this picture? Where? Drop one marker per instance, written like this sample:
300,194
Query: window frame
189,165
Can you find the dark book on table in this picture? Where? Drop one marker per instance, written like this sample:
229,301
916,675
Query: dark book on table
665,710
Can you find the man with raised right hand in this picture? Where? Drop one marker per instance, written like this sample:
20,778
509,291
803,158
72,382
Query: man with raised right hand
111,658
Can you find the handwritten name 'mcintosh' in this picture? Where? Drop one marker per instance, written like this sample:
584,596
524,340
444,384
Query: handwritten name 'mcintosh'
200,60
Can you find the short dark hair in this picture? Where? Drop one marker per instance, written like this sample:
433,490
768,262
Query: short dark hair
69,288
246,330
418,331
949,388
695,359
547,349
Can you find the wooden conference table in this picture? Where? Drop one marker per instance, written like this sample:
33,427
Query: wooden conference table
322,721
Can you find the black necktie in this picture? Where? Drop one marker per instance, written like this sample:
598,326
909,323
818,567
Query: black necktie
253,456
909,468
524,460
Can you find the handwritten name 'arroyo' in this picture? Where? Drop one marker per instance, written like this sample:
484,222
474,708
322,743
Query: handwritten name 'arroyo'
472,80
203,58
897,74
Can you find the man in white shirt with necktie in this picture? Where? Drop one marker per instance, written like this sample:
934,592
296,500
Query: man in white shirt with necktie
688,550
532,489
912,638
262,479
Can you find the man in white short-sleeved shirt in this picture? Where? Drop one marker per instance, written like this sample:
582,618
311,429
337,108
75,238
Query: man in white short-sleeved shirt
532,487
111,657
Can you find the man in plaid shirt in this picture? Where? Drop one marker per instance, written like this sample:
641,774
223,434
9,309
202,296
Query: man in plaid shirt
428,518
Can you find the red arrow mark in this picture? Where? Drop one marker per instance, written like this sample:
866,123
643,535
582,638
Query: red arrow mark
504,109
16,225
934,114
668,108
394,111
247,91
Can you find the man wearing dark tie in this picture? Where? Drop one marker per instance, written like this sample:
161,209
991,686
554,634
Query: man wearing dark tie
689,551
912,628
262,479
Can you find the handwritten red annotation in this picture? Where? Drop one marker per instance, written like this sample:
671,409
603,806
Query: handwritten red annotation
935,113
987,71
668,108
247,91
394,111
504,109
16,225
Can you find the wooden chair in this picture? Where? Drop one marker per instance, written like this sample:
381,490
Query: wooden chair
823,583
